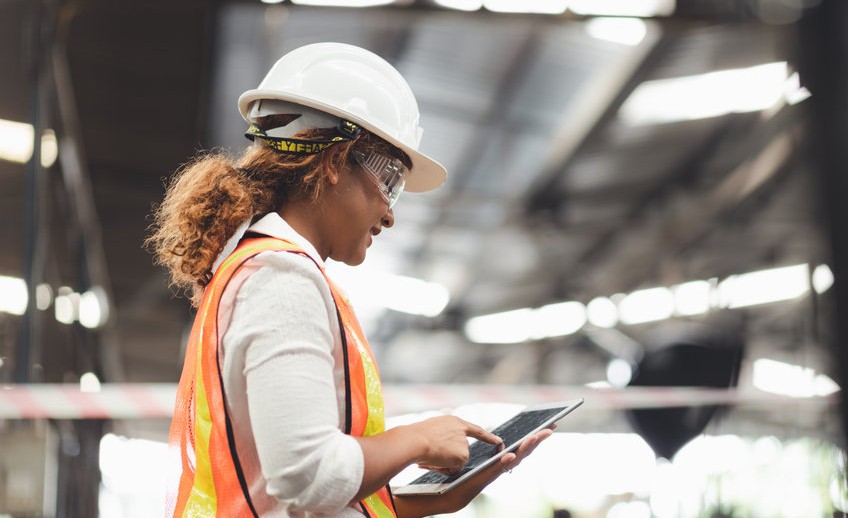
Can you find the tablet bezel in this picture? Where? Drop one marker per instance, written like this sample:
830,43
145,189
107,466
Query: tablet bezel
442,487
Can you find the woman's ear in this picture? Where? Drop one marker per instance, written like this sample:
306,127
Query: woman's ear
333,176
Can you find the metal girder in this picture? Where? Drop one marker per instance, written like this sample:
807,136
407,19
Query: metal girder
667,226
823,43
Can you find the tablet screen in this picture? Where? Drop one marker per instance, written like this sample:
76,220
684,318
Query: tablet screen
511,431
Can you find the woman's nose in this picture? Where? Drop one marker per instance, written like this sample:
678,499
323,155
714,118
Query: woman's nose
388,219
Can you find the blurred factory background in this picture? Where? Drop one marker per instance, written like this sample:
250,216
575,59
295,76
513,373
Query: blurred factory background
644,208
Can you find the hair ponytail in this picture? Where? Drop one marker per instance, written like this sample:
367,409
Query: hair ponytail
205,202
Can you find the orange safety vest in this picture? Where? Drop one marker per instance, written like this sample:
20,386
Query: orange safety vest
212,482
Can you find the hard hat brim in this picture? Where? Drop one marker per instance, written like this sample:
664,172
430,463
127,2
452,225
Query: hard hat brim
426,174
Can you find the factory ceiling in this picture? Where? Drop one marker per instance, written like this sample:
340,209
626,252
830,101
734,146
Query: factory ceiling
562,187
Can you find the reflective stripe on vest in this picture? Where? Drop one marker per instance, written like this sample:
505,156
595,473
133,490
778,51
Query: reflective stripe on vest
211,481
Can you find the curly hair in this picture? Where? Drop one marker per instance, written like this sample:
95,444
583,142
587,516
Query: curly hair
210,196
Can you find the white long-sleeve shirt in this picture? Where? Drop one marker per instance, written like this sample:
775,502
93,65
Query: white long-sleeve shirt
283,373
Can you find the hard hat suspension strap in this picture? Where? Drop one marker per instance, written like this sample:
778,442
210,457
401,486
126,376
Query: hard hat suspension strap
346,131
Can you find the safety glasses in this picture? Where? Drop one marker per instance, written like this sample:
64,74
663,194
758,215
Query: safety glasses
389,173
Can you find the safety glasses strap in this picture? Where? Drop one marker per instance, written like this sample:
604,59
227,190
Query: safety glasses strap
294,146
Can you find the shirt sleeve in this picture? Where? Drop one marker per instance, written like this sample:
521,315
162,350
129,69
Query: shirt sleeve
282,317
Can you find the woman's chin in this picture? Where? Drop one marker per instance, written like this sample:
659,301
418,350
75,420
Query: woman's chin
355,260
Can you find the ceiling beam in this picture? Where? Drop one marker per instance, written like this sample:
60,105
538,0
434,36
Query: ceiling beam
675,223
601,104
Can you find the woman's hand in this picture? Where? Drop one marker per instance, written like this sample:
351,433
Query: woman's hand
441,443
416,506
446,439
513,459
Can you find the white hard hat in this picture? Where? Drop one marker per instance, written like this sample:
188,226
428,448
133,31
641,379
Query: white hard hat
356,85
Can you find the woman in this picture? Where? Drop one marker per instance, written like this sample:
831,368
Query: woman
279,410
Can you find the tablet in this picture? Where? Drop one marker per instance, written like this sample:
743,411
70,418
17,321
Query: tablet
482,454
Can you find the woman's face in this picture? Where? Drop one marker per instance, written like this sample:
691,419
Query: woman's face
357,212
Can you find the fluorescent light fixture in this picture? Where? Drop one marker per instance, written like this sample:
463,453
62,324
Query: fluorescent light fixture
93,308
822,278
646,305
43,296
508,327
526,6
66,305
410,295
13,295
461,5
692,298
89,382
272,1
764,286
560,319
49,148
625,31
794,92
706,95
640,8
16,143
791,380
619,372
343,3
602,312
521,325
368,290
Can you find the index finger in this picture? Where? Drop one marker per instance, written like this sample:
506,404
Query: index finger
480,433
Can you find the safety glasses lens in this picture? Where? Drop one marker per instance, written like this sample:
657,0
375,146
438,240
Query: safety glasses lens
390,173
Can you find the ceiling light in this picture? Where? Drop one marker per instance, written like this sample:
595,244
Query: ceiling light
706,95
49,148
16,143
461,5
764,286
794,92
43,296
625,31
619,372
526,6
521,325
692,298
560,319
66,305
508,327
413,296
368,290
13,295
93,308
791,380
602,312
89,382
822,278
641,8
646,305
343,3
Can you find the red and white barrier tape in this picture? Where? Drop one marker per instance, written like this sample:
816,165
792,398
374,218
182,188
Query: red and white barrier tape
414,398
156,400
67,401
